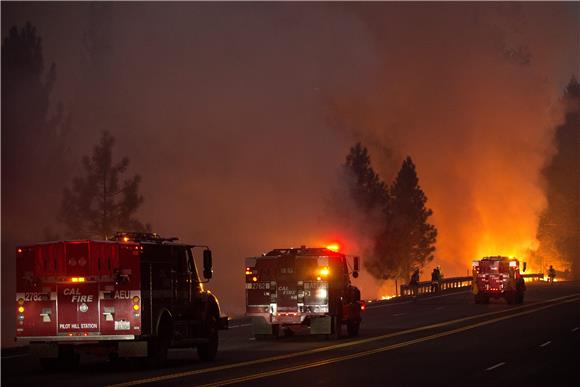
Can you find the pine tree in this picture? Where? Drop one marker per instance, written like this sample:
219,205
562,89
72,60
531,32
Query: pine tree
371,197
411,238
97,205
559,228
366,188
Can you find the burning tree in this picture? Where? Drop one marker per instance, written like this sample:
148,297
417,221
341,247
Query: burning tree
559,227
402,237
97,205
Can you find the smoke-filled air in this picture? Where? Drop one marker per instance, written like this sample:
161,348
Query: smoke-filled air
239,117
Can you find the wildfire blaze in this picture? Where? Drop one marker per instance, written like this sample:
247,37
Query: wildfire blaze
476,110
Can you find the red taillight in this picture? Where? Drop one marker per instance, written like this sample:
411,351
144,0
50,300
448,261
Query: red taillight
363,306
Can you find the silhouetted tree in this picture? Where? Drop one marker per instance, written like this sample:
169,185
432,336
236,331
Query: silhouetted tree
366,188
97,205
411,237
34,151
370,195
559,227
402,237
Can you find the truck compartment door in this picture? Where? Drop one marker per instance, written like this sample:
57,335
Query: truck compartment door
78,308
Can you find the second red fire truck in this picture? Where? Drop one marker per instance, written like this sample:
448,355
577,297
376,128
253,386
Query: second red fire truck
302,287
498,277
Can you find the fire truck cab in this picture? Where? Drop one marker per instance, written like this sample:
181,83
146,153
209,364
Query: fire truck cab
136,295
497,277
308,287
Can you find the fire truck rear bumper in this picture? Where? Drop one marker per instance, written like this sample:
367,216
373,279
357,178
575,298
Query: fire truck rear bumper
69,339
319,324
49,349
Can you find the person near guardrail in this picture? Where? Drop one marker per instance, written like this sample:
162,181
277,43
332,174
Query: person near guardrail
414,283
551,274
435,279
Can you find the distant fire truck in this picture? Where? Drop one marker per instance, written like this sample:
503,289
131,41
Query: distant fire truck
495,277
136,295
288,288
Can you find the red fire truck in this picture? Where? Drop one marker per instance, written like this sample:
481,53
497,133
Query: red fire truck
496,277
136,295
309,287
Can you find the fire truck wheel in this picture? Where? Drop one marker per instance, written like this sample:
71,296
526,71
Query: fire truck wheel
481,298
352,328
511,297
158,347
208,351
336,327
67,359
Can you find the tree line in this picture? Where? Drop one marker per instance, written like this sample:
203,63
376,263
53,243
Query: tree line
403,239
35,159
36,144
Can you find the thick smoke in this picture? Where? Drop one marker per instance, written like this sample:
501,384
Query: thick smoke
471,92
238,116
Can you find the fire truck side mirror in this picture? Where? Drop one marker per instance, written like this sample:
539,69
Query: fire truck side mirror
524,268
207,264
356,264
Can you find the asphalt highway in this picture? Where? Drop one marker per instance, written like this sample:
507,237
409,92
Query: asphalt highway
444,340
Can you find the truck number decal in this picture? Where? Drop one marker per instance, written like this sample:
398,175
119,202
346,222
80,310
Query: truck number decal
258,285
33,297
121,295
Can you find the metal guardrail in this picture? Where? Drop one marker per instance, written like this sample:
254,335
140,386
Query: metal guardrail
534,277
428,287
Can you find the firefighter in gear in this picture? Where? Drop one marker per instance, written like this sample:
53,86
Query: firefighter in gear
414,282
435,279
551,274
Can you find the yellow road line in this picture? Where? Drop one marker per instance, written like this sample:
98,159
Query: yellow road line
326,348
377,350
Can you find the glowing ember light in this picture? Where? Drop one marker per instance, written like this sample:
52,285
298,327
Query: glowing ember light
386,297
333,247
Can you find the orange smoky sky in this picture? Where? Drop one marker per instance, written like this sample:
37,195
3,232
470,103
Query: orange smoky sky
471,93
239,117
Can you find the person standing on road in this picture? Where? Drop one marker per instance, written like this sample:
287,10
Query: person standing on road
551,274
435,278
414,282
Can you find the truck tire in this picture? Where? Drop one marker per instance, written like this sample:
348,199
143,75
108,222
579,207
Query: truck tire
67,359
481,298
352,328
158,347
208,351
511,297
336,328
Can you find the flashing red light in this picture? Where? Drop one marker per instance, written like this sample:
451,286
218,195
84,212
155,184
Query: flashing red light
363,306
333,247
